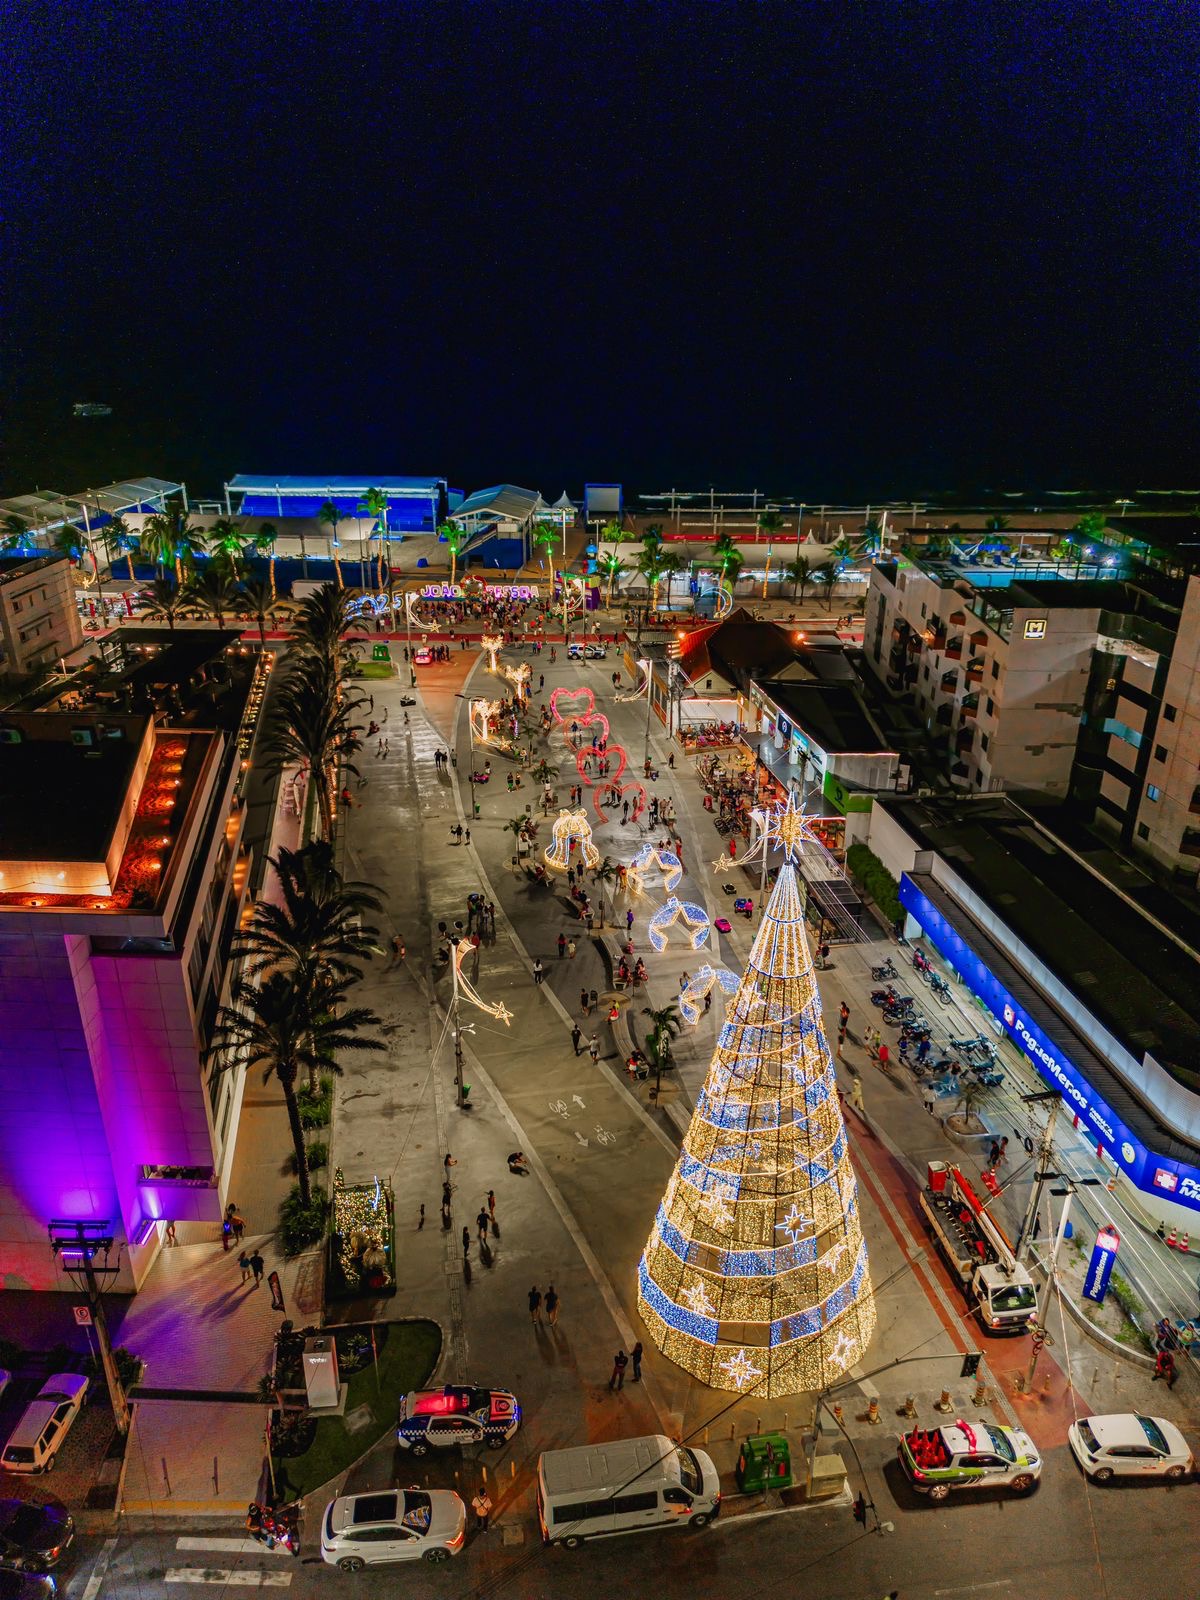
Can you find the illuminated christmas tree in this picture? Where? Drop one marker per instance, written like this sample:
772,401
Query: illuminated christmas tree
755,1274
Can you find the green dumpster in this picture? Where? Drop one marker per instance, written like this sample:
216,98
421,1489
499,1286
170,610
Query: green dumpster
381,652
764,1462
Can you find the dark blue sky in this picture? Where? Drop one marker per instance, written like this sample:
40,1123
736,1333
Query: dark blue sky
838,250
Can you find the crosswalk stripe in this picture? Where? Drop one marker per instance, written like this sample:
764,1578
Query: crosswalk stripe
246,1579
232,1547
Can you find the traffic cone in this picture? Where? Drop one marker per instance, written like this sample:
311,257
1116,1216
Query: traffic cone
873,1412
1171,1237
945,1404
1183,1243
910,1406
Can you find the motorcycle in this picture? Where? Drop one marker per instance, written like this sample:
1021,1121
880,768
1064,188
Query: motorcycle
940,987
278,1526
921,962
407,700
887,969
884,997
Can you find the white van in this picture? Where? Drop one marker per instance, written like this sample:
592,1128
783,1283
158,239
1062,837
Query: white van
623,1487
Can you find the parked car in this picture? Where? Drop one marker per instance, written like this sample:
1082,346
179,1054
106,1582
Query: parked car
592,652
414,1524
422,657
44,1424
27,1586
33,1538
969,1455
1128,1445
430,1419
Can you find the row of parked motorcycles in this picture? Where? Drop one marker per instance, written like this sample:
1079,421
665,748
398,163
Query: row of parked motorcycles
975,1059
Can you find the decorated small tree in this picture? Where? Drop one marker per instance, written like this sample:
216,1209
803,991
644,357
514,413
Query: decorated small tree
755,1274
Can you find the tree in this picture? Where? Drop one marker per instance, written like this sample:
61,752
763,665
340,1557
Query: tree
118,540
226,541
377,504
770,523
650,567
286,1026
69,541
329,516
799,574
165,602
546,535
755,1276
652,536
312,725
606,874
168,537
669,565
212,593
826,577
455,537
321,619
613,568
996,524
318,928
264,543
665,1026
260,601
15,533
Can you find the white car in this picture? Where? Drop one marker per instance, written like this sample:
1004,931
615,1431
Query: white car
45,1423
414,1524
1128,1445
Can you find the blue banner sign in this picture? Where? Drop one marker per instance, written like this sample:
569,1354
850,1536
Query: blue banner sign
1154,1173
1104,1254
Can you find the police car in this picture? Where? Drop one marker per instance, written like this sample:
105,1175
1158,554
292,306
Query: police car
458,1414
969,1455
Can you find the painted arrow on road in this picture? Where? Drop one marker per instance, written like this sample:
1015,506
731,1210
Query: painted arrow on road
578,1101
581,1139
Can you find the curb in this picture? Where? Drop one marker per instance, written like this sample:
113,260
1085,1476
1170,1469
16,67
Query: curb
1105,1340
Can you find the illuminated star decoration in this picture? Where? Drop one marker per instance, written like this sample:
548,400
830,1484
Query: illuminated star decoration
741,1369
795,1224
691,996
414,618
699,1299
785,826
571,827
669,913
467,990
650,857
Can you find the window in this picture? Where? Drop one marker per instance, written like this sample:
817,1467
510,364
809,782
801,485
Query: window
983,741
636,1502
1169,713
1160,752
1143,832
991,707
995,669
1152,791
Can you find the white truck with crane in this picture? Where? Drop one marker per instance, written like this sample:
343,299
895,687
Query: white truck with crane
997,1286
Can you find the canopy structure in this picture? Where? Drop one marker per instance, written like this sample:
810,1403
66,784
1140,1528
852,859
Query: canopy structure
416,503
504,503
48,509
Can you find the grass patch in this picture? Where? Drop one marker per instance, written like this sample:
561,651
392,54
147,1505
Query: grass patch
408,1353
375,669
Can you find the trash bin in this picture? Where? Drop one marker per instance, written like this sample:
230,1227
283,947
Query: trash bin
939,1173
764,1462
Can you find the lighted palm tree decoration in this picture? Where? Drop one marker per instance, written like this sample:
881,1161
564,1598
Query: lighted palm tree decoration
455,538
546,535
669,565
613,568
226,541
168,537
652,537
165,602
650,567
213,593
770,523
376,504
798,573
825,577
329,516
287,1025
119,541
264,544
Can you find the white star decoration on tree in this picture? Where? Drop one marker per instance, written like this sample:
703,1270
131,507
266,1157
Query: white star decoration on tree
699,1300
795,1224
717,1203
831,1257
842,1347
741,1369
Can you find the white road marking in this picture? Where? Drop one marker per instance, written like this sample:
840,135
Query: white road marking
580,1103
581,1139
96,1580
232,1547
603,1135
977,1588
232,1580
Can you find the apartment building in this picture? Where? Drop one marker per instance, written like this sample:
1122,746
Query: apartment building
123,872
39,621
1166,822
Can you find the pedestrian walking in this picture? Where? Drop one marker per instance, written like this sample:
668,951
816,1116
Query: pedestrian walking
244,1263
885,1058
843,1015
226,1234
583,1001
538,972
257,1266
576,1036
570,949
1003,1156
629,920
635,1355
481,1224
535,1304
467,833
481,1505
620,1362
552,1305
562,945
421,1217
448,1161
466,1239
994,1154
824,953
491,1205
1165,1368
928,1097
594,1049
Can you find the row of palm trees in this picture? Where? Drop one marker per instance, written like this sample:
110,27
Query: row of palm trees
211,592
654,563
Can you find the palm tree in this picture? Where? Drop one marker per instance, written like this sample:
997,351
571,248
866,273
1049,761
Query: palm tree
770,523
825,577
613,533
14,534
455,536
669,564
329,516
285,1026
118,540
547,534
376,504
321,619
312,725
260,601
798,573
606,873
652,536
665,1025
650,567
728,559
226,541
168,536
163,601
212,593
319,927
69,542
613,568
264,544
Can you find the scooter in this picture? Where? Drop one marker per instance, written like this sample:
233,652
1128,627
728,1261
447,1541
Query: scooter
886,970
940,987
407,700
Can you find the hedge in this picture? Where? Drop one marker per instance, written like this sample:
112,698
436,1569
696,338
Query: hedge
875,878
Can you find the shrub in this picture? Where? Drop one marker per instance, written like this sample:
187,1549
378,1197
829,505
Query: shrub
318,1157
301,1225
316,1107
129,1367
875,878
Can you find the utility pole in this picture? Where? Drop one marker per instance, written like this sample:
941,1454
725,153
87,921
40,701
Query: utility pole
1044,1156
79,1242
456,1020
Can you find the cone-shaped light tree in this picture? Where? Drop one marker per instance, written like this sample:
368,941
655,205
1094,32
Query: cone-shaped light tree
755,1274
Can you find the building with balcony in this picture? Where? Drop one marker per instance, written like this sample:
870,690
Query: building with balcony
39,620
124,869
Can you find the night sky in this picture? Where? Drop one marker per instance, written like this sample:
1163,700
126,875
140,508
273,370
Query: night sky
831,251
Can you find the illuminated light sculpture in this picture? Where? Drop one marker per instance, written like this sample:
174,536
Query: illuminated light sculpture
465,990
481,714
571,827
493,643
563,710
574,593
585,728
651,858
609,753
755,1276
691,996
669,913
722,596
608,792
625,696
413,617
519,677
